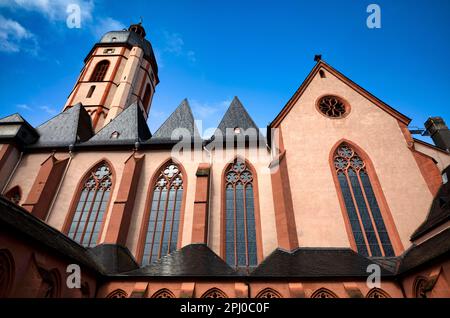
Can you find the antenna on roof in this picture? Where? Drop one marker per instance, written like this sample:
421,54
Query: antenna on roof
317,57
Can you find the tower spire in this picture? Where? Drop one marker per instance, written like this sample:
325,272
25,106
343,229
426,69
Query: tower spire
120,70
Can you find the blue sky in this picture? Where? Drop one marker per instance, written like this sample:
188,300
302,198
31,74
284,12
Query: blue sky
210,51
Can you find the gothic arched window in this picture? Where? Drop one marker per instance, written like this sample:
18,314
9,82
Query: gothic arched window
268,293
119,293
240,228
420,287
323,293
92,203
163,224
364,215
214,293
163,293
6,273
100,71
50,285
377,293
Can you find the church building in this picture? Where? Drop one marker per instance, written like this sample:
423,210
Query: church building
334,190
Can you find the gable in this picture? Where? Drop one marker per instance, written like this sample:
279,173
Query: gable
321,65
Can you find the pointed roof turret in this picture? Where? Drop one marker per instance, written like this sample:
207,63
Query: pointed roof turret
236,117
237,122
179,123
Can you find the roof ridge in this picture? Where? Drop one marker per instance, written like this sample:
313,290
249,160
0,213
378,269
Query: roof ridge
184,111
353,85
237,115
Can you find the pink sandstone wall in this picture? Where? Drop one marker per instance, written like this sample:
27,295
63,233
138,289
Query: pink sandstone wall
442,159
309,137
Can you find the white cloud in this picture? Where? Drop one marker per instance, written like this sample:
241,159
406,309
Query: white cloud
24,106
206,110
54,10
105,25
15,38
174,44
191,56
48,110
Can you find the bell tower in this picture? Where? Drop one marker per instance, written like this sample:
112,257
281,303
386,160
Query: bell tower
119,70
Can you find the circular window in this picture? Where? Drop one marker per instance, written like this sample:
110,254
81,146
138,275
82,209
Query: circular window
333,107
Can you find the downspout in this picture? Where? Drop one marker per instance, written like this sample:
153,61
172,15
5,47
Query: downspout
12,173
60,184
209,194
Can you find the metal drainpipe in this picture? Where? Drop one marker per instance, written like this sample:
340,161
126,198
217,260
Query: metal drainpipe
60,184
209,195
12,172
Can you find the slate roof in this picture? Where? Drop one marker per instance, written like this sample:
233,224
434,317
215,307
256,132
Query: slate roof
195,260
439,212
113,258
180,124
130,125
67,128
132,39
237,117
417,255
315,263
16,128
14,118
17,219
198,260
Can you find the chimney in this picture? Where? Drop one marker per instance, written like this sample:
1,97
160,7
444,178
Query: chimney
439,132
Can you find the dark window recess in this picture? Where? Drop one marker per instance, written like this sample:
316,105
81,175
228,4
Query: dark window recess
322,74
100,71
240,230
91,91
364,215
91,207
161,237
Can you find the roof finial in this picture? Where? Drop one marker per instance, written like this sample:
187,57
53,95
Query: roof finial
141,20
317,57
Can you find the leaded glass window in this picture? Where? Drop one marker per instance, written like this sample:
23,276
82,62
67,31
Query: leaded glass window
240,229
332,107
161,237
369,231
91,207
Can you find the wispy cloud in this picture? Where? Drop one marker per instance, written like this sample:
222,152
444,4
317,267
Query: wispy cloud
204,110
48,110
104,25
54,10
16,38
174,45
208,115
24,106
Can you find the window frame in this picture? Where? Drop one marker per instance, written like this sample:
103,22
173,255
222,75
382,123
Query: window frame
346,104
148,203
93,77
256,211
76,198
383,206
